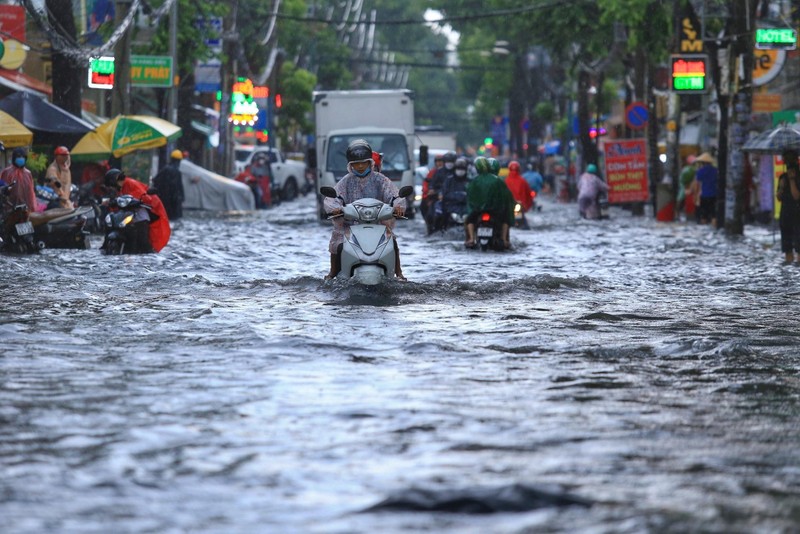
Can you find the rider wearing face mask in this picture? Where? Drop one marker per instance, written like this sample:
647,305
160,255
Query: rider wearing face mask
435,187
454,191
362,181
17,174
445,172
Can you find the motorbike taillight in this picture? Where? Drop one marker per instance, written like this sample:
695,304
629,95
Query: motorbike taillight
486,217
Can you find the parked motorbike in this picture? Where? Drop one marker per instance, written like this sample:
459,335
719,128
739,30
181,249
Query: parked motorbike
368,254
85,197
123,234
17,230
61,228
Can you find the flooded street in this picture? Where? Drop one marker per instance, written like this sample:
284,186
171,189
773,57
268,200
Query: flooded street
604,376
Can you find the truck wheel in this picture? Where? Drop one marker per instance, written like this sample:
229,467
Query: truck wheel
289,189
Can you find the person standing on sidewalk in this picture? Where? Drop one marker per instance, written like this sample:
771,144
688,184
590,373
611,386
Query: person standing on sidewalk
788,194
169,186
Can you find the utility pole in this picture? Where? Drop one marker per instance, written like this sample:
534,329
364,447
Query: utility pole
121,94
172,114
230,73
742,16
172,94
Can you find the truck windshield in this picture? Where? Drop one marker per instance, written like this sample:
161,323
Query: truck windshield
392,146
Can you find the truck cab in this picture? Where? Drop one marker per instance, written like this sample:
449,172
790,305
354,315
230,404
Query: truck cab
384,118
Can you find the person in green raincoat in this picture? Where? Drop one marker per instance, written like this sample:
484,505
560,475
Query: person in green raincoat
488,193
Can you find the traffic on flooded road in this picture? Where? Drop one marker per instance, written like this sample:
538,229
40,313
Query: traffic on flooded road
618,375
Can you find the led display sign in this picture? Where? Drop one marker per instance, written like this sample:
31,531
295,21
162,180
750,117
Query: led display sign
101,72
244,108
689,73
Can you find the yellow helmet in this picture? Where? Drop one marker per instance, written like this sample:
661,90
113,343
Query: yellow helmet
176,154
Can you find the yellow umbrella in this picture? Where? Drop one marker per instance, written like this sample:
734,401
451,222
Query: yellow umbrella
13,133
123,135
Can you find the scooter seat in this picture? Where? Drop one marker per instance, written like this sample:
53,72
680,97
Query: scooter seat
52,215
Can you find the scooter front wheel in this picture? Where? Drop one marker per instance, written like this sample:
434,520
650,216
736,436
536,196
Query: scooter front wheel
114,247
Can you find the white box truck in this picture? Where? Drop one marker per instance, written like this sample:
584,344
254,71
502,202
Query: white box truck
385,118
437,140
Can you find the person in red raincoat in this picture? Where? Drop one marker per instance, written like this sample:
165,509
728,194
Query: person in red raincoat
16,173
256,177
519,186
159,231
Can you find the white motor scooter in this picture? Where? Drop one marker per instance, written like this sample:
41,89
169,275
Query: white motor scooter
368,254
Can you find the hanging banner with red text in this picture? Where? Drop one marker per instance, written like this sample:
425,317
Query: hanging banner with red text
626,170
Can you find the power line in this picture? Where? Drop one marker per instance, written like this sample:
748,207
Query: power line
479,16
434,65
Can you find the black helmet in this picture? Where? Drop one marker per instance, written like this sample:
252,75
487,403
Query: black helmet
449,157
111,177
359,150
461,163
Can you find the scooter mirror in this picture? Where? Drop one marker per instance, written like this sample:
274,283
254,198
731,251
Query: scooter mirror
406,190
423,155
327,191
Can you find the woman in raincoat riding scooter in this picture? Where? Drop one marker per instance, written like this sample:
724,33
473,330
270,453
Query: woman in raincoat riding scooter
362,181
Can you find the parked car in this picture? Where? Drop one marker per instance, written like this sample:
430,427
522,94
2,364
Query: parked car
241,156
289,176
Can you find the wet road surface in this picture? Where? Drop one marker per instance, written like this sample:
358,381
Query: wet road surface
604,376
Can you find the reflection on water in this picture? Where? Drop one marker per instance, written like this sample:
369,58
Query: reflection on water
606,376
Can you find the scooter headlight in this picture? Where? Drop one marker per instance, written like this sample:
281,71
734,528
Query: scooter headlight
124,200
367,214
126,221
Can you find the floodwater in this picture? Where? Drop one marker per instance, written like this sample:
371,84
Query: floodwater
607,376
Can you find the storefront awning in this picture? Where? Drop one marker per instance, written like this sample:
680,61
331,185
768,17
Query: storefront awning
209,132
18,81
91,118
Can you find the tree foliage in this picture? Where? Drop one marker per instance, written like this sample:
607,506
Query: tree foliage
327,44
583,38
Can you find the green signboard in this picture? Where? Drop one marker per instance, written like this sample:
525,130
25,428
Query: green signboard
772,38
151,71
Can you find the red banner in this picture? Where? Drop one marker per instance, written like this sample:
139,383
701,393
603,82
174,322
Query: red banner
626,170
12,23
